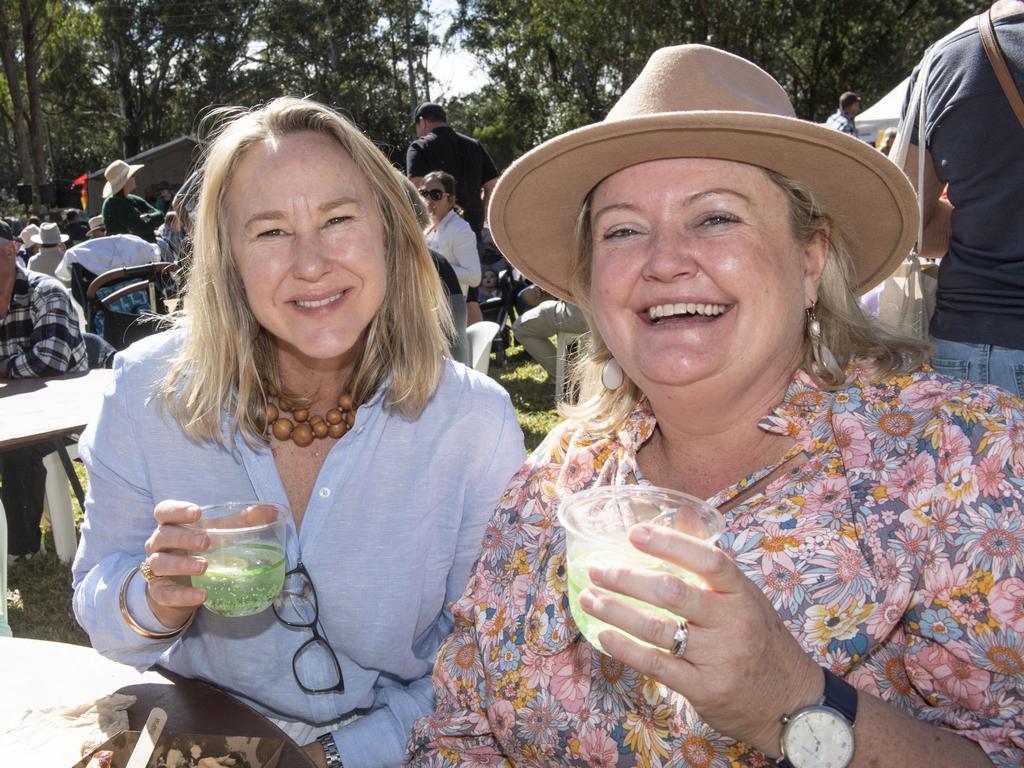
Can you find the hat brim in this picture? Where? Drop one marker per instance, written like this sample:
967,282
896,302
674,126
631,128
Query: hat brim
38,240
109,189
537,201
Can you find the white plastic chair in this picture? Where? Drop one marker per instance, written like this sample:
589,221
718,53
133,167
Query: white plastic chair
5,628
57,505
480,337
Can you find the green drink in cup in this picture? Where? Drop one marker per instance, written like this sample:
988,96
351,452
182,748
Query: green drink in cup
597,523
246,557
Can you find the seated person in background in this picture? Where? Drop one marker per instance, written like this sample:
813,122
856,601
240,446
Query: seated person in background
123,212
51,242
548,317
448,233
39,336
96,228
488,288
458,343
171,235
309,368
27,249
863,605
74,227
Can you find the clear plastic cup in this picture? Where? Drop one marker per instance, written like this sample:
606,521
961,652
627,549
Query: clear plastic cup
246,557
597,523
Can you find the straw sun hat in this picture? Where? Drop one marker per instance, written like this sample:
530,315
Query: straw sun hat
117,175
696,101
49,235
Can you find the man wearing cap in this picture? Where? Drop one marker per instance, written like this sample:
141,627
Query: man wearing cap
39,336
123,212
51,249
843,119
439,148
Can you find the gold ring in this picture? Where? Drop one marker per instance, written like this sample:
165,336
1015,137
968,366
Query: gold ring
147,571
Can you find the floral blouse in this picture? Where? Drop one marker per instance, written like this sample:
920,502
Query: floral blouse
894,554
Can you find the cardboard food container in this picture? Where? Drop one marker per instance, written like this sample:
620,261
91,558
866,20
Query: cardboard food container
256,752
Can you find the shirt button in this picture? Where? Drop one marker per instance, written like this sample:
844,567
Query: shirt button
325,492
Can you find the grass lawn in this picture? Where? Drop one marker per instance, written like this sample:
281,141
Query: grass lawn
39,590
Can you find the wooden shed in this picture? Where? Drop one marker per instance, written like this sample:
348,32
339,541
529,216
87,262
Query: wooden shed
172,162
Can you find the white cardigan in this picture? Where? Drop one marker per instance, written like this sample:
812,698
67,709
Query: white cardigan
453,238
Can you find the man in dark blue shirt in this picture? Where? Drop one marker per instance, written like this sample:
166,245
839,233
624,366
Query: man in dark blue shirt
975,144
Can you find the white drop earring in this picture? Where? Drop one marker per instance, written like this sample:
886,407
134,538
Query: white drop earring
824,360
611,374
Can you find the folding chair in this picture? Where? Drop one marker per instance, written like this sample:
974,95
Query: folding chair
123,328
5,628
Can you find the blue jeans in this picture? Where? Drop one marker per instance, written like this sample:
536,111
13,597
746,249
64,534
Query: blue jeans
980,363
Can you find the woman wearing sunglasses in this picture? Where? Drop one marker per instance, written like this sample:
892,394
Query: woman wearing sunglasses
309,369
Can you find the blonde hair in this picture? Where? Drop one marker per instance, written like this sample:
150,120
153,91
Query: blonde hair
227,361
846,330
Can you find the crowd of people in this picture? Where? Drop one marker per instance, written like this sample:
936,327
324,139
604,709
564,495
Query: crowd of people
864,604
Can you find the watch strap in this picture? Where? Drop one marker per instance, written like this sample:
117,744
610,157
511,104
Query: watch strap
841,696
331,755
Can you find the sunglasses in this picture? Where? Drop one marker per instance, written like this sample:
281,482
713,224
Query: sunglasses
433,194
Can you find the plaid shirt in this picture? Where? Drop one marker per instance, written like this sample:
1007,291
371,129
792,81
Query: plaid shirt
39,336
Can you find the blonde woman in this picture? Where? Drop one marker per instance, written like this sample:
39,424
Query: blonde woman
312,295
863,606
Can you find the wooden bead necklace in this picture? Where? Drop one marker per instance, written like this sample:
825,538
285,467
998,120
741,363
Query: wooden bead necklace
305,429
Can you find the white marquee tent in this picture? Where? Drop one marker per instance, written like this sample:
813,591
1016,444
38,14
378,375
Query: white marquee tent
882,114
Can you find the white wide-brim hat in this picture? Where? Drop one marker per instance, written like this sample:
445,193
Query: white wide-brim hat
697,101
27,232
49,235
117,174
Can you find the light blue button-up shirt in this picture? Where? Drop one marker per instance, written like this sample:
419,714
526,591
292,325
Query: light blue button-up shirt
390,533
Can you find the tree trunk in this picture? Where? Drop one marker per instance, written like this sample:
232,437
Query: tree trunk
31,43
8,46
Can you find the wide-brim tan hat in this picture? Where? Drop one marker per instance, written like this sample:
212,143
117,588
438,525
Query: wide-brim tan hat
95,224
27,232
49,235
697,101
117,175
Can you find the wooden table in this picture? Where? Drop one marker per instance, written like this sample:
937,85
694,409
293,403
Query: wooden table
40,675
36,410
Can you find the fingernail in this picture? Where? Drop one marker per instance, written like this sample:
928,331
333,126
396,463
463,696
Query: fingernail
641,534
598,574
198,540
198,566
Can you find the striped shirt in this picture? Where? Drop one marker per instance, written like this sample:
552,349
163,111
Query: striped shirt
39,336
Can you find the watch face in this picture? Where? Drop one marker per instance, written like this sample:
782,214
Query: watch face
818,737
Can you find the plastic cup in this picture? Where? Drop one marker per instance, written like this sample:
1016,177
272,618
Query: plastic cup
246,557
597,523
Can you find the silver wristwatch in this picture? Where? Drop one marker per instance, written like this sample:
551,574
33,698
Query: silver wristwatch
821,736
330,750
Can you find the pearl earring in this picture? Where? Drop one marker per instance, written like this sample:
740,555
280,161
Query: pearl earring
611,374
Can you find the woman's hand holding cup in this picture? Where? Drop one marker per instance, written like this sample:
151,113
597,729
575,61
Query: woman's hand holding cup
741,669
171,598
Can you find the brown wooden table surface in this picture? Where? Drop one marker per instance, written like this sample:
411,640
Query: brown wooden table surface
37,409
195,707
40,679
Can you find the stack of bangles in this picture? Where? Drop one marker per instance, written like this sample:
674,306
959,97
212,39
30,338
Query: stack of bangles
130,620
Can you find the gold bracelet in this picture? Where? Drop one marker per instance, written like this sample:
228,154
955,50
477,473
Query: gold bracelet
138,628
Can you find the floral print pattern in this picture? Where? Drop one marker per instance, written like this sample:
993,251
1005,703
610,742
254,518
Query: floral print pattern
894,554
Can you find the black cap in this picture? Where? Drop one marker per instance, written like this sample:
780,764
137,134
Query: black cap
6,233
433,112
164,185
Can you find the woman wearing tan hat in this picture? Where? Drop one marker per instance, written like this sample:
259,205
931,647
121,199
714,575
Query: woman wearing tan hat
871,571
123,212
